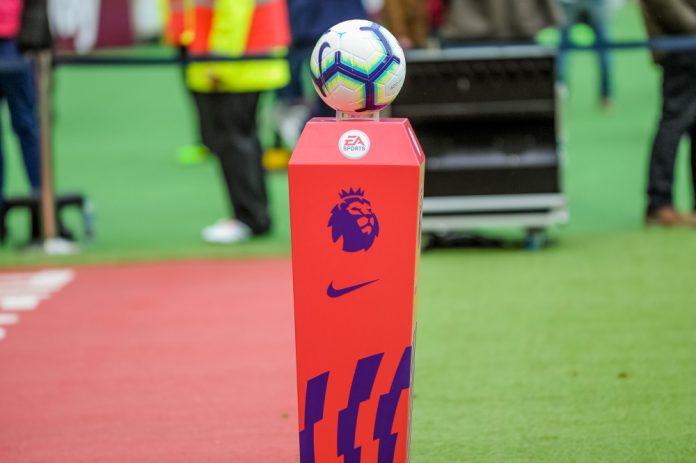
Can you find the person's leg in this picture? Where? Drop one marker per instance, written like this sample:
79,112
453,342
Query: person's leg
3,229
692,141
239,152
17,86
20,91
204,115
196,151
571,13
678,112
3,51
599,19
2,156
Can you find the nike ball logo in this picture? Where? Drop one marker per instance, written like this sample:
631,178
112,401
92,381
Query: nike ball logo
338,292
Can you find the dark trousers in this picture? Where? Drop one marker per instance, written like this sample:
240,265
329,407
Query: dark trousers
678,119
228,127
18,88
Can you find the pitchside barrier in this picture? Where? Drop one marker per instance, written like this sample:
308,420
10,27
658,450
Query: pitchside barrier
47,202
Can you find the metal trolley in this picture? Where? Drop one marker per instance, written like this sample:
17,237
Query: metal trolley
488,120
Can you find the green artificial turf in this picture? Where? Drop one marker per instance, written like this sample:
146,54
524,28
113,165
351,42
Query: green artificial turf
582,352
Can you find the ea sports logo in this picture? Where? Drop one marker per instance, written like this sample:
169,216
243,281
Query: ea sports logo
354,144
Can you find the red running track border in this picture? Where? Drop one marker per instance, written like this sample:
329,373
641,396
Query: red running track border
154,363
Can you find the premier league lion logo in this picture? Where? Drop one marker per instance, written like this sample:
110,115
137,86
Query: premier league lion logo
354,220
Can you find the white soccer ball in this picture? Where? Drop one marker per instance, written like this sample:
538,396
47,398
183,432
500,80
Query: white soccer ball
358,67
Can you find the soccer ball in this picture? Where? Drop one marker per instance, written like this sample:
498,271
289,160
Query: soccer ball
358,67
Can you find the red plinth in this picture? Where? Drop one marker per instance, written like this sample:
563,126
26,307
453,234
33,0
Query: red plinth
356,190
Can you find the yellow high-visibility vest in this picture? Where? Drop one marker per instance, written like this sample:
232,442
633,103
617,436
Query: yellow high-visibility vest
234,28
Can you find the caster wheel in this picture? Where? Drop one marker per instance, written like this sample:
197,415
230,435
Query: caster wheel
536,239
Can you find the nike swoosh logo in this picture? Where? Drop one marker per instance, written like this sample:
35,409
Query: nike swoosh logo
334,292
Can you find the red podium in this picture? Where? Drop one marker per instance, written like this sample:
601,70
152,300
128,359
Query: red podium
356,190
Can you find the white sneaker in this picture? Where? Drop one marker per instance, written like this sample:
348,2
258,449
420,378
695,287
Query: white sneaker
227,232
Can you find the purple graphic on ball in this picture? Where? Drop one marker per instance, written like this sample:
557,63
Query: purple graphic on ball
353,220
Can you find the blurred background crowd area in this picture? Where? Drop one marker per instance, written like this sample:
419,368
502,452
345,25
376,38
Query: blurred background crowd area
85,26
126,135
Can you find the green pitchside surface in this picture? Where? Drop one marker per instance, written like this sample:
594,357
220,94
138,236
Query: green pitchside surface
583,352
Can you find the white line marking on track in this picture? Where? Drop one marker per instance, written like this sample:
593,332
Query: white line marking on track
52,278
20,292
14,277
26,291
8,318
19,303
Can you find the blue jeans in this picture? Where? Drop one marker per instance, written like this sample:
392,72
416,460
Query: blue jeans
17,86
595,13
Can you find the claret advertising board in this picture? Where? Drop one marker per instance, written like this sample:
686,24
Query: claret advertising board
356,189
